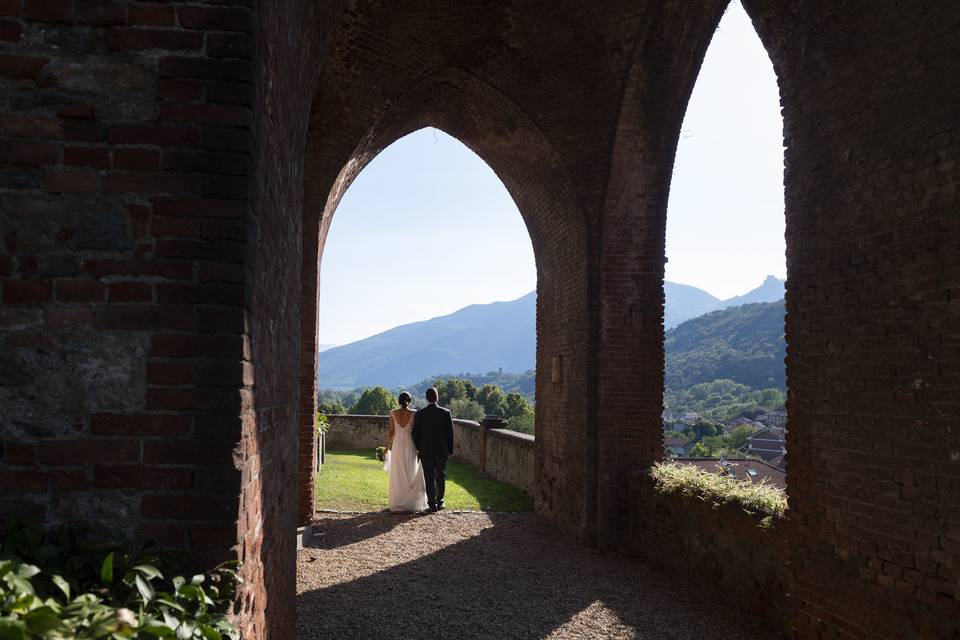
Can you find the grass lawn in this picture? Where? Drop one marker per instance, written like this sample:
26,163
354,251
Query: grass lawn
354,480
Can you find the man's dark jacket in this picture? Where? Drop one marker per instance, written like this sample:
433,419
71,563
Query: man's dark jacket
433,432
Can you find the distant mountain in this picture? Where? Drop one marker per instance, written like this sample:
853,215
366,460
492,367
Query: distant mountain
744,343
484,337
323,347
771,290
684,302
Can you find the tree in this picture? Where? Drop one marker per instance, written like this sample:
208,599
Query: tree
452,389
516,404
524,421
471,389
466,409
331,408
492,400
375,401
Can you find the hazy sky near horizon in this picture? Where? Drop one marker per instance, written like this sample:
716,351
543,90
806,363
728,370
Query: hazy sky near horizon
427,227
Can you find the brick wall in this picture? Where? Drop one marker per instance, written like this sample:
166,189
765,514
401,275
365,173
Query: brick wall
723,548
124,182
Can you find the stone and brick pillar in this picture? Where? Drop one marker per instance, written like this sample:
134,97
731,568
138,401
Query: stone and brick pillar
125,169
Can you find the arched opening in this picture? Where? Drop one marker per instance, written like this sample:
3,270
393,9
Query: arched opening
504,138
724,377
427,280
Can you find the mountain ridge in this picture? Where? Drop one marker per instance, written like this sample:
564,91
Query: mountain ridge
481,337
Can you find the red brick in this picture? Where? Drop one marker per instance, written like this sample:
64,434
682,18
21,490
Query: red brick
215,18
207,399
169,373
221,272
226,139
188,452
153,134
10,30
195,67
36,342
86,157
151,14
188,507
145,316
23,67
68,318
206,161
66,480
222,294
212,536
33,153
200,207
163,226
101,13
23,481
125,38
49,10
137,159
15,124
220,320
19,454
229,45
89,451
80,291
70,182
150,183
174,270
84,130
141,476
80,111
165,534
10,7
192,346
235,187
183,89
202,250
130,292
204,113
106,424
232,93
27,291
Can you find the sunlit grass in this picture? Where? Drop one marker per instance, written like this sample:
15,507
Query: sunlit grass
759,498
354,480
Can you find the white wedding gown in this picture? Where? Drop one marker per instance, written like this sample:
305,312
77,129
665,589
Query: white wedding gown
407,490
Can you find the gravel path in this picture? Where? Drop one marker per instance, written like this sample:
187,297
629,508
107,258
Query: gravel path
477,575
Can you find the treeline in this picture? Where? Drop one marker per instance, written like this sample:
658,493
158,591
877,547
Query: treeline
465,400
723,400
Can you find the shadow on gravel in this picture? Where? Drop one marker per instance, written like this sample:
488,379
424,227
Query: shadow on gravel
331,533
517,579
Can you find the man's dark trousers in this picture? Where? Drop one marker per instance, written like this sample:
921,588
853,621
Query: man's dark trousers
435,475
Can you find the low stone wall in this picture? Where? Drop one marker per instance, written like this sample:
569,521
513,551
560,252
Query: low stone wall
720,546
510,458
504,455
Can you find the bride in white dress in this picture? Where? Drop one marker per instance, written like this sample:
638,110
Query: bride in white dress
407,489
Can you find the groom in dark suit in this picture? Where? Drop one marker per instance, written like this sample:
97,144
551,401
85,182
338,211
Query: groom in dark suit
433,438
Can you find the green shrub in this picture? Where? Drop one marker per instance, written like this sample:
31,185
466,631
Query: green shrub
381,453
756,498
65,586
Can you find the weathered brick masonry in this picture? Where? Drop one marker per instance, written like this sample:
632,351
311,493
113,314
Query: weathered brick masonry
169,170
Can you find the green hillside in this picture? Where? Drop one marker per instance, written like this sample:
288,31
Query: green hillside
743,343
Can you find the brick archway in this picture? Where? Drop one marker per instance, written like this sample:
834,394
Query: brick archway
494,128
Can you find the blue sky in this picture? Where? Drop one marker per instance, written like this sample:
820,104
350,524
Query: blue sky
427,227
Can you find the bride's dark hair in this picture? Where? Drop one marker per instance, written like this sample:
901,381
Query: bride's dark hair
404,399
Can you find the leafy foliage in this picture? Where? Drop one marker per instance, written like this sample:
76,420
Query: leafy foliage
756,498
62,586
331,408
465,409
375,401
723,400
744,343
